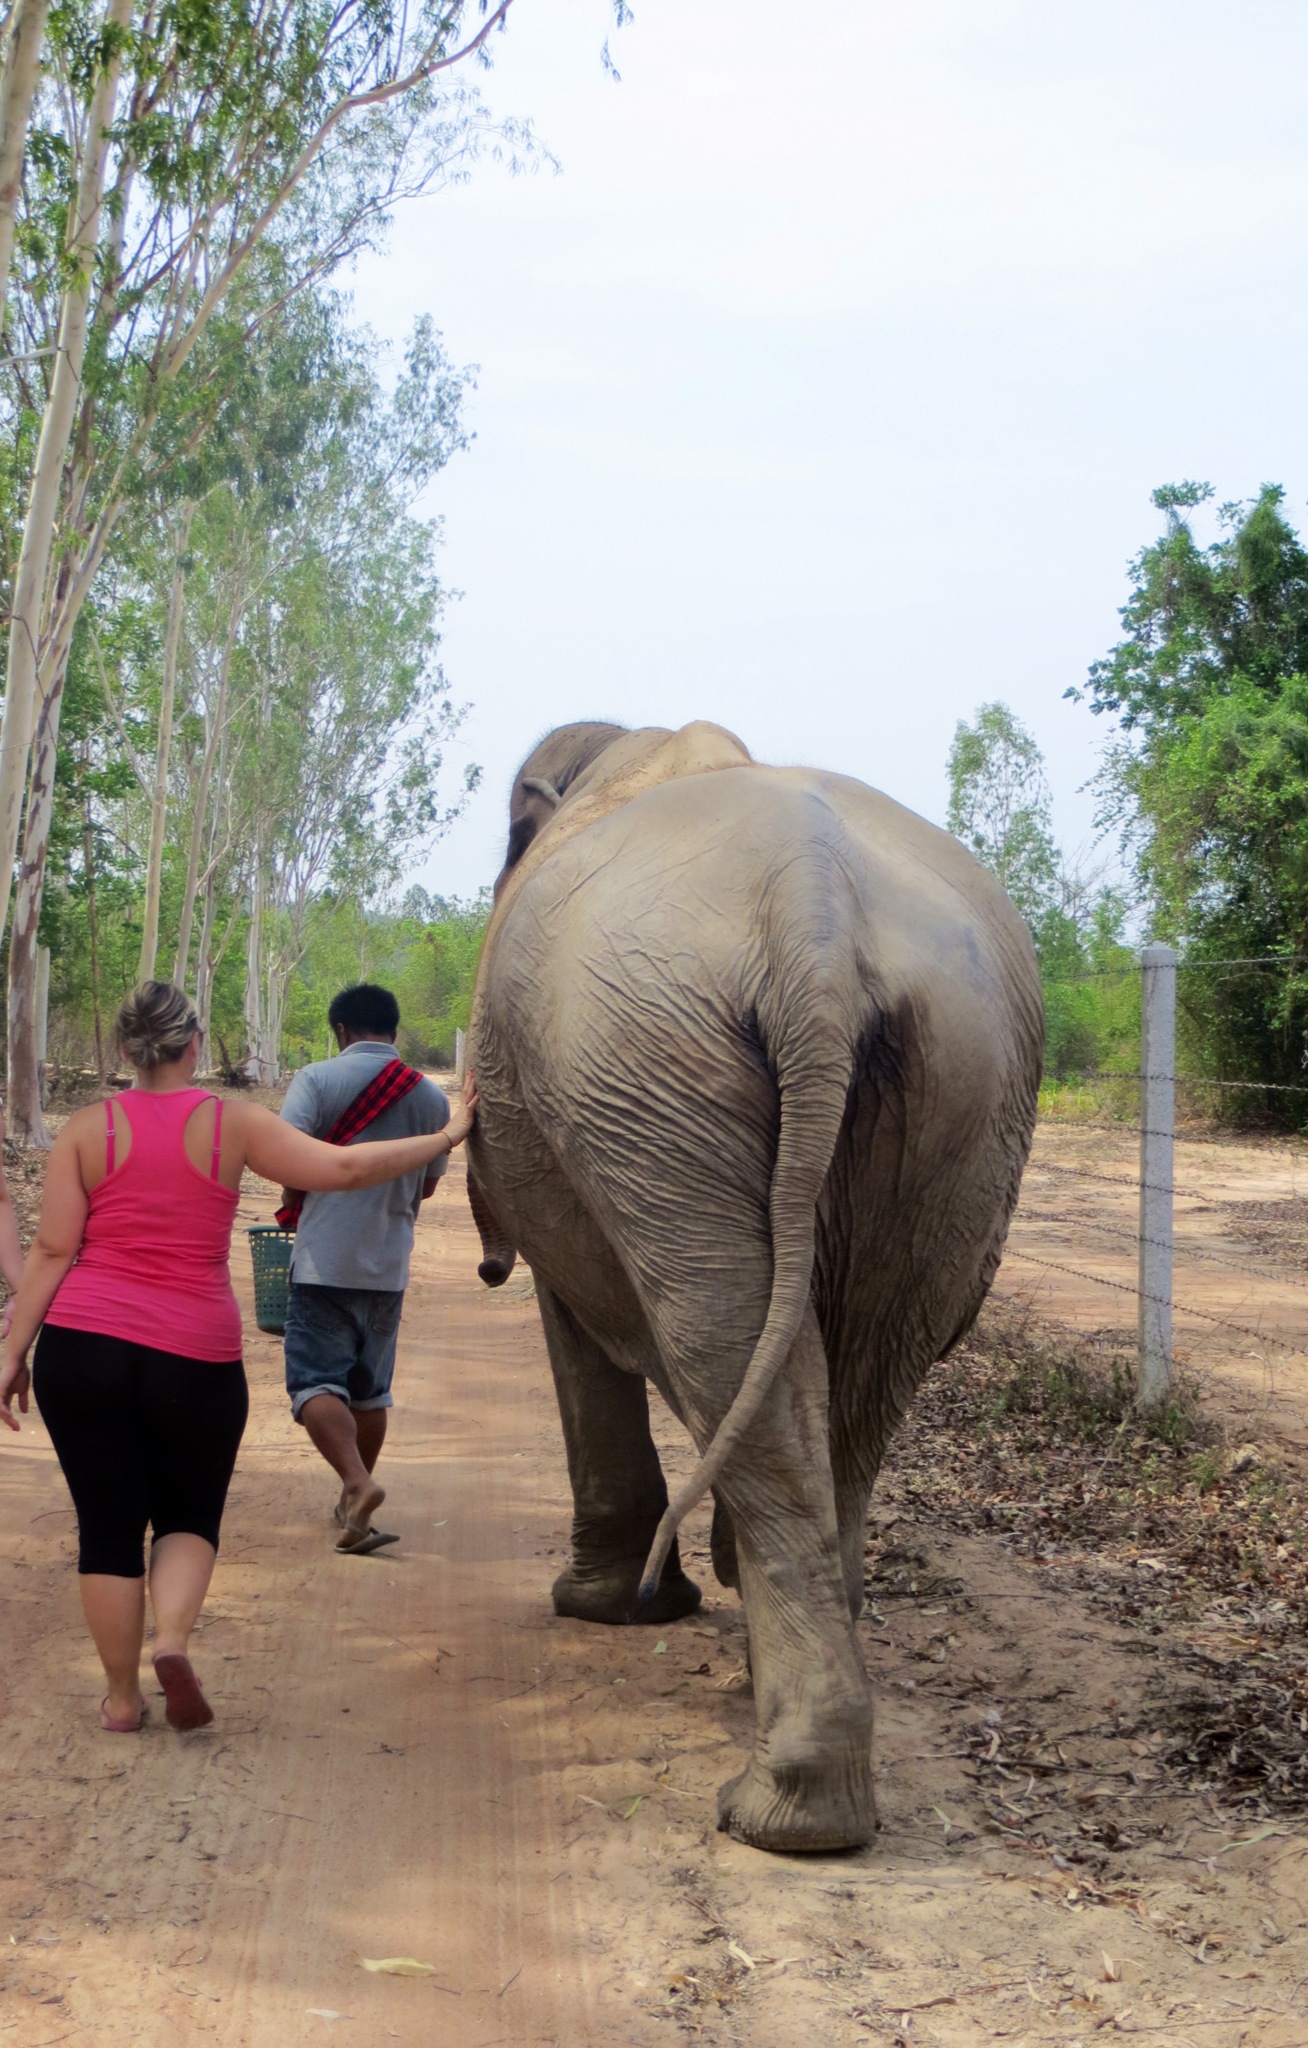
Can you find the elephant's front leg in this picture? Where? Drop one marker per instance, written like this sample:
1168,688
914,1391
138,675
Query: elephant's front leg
808,1784
618,1488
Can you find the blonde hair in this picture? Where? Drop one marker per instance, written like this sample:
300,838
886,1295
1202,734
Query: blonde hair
155,1025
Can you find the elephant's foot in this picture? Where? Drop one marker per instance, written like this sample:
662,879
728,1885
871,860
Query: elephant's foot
608,1593
805,1788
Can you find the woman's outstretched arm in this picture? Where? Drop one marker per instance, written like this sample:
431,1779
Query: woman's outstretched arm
294,1160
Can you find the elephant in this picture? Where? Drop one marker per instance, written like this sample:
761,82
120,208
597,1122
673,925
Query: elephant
758,1053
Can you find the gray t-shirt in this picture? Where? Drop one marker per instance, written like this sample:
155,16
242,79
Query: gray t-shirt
363,1238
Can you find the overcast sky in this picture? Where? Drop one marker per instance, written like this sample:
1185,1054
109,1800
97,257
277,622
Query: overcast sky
821,393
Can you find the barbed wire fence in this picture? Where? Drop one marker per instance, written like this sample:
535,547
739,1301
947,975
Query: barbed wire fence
1153,1236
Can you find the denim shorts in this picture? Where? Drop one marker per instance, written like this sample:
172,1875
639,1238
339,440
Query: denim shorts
341,1340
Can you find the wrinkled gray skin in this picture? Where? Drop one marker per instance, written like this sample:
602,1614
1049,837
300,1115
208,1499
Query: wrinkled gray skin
758,1053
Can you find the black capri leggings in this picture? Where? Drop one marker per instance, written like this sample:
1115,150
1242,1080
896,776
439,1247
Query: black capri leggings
145,1438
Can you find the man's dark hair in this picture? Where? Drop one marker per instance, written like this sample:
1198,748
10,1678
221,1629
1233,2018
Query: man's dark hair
366,1010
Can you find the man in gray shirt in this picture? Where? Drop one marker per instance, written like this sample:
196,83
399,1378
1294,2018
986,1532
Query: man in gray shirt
351,1261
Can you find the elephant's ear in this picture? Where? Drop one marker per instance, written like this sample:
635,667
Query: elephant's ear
524,829
521,833
536,785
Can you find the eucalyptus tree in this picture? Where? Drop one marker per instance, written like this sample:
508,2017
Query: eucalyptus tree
305,126
999,806
310,711
348,758
346,717
188,136
18,76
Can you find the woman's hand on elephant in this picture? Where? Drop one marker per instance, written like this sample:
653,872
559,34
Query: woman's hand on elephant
465,1116
14,1379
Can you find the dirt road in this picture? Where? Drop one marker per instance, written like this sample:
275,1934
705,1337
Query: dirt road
412,1758
1241,1243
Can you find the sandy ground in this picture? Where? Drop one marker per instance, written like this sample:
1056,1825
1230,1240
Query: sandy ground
1241,1266
413,1758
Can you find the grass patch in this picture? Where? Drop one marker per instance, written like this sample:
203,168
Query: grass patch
1083,1102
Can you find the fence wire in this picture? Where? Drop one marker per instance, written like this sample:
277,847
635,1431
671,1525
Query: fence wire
1179,1308
1183,967
1105,1232
1206,1255
1196,1081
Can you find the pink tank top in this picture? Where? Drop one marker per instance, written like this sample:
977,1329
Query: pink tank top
153,1263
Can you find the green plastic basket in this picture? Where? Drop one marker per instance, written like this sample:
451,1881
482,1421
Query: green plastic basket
270,1249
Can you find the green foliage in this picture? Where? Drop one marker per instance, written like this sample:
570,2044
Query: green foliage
426,953
999,806
1209,687
1081,1397
312,718
1092,994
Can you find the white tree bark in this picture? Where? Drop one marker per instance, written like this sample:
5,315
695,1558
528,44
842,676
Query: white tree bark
211,954
274,1016
26,1121
254,971
214,736
25,648
22,65
159,792
42,1017
211,959
92,914
204,977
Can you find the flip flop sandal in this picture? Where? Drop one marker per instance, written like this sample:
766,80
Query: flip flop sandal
185,1705
112,1727
363,1541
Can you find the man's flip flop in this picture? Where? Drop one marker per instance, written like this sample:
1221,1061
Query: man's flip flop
362,1542
185,1705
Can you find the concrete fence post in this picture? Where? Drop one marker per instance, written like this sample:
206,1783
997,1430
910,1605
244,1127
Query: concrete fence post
1157,1113
460,1054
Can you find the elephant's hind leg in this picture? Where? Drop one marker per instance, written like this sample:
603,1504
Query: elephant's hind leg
722,1547
618,1488
808,1783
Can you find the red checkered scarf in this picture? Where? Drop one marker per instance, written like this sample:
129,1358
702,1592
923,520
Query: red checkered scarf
389,1085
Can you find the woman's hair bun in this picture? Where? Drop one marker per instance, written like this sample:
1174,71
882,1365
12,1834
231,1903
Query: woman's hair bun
155,1025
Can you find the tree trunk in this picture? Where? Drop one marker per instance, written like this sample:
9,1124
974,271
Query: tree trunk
26,1122
277,985
207,965
200,810
159,794
92,920
42,1021
211,959
17,91
204,973
21,691
254,970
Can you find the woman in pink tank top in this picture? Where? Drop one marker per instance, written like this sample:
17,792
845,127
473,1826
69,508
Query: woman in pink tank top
138,1371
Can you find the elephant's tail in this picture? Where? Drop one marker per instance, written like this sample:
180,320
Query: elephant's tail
810,1041
498,1252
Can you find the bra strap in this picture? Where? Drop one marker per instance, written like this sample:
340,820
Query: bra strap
109,1136
217,1134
